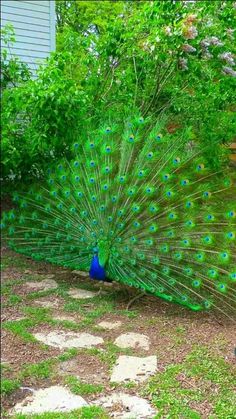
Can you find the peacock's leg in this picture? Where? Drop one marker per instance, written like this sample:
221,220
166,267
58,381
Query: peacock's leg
135,298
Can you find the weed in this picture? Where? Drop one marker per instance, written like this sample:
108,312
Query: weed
9,386
173,396
109,356
43,369
20,328
39,294
69,354
90,412
81,388
14,299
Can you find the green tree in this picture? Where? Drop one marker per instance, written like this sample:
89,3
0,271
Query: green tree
118,57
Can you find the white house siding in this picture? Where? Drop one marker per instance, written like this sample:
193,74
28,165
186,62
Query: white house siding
34,25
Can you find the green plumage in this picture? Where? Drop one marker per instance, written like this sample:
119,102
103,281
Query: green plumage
146,200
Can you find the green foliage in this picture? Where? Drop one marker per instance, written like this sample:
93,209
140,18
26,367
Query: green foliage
191,382
67,355
40,121
14,299
9,386
114,57
42,370
90,412
81,388
13,71
158,56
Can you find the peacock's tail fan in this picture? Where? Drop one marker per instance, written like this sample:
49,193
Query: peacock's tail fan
146,201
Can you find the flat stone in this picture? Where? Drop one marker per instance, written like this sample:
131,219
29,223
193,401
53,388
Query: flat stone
64,317
80,273
80,293
61,339
133,368
133,340
132,406
48,303
110,325
45,285
52,399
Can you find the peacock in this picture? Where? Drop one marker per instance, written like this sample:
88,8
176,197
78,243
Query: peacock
138,205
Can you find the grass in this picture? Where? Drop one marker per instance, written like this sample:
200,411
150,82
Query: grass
201,372
37,315
16,262
20,327
81,388
69,354
42,370
39,294
14,299
109,356
8,386
91,412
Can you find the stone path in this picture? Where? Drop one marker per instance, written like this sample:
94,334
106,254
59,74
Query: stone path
133,340
110,325
81,273
61,339
64,317
81,293
126,369
133,368
52,399
47,303
132,406
45,285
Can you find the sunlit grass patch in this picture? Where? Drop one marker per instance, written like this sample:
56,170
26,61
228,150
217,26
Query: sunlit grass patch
8,386
69,354
42,369
79,387
90,412
13,261
191,382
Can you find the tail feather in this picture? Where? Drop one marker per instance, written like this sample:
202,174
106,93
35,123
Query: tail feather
160,219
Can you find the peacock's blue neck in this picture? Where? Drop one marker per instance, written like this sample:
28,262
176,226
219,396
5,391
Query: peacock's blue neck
96,270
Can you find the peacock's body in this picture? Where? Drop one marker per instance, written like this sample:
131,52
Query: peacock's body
137,207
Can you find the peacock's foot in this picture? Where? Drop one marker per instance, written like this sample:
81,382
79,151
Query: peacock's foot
137,297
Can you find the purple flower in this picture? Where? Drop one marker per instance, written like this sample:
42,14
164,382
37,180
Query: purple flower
188,48
229,71
183,63
228,57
